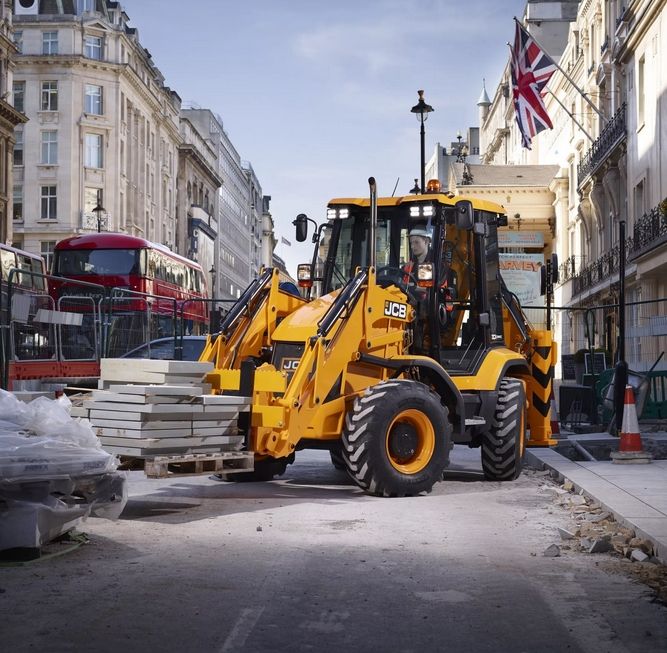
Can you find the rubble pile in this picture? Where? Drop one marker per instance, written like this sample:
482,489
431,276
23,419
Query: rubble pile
594,530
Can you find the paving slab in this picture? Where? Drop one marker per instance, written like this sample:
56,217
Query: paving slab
635,494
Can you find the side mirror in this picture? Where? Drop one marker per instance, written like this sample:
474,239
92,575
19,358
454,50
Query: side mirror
301,224
464,215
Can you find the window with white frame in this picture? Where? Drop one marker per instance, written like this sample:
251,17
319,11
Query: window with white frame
49,42
49,203
92,197
93,100
46,250
17,199
93,153
49,147
19,95
49,96
18,41
84,5
93,47
18,147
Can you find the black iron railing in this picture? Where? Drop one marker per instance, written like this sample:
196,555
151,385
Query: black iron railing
567,269
612,134
650,232
599,270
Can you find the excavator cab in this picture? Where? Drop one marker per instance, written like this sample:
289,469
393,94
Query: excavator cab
455,291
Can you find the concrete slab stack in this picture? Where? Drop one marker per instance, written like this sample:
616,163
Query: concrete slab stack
154,407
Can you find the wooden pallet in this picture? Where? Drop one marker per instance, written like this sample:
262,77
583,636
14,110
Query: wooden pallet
198,463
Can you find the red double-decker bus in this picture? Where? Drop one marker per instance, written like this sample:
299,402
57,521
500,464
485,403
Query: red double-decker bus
151,292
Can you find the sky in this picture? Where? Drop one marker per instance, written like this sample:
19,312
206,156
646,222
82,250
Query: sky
317,96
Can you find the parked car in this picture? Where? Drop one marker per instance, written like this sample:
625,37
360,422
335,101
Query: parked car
163,349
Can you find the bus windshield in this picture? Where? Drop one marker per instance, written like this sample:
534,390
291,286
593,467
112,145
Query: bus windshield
77,262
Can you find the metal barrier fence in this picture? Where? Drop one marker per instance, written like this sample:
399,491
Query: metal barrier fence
62,327
588,339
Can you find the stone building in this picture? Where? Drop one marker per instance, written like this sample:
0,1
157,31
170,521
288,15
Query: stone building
103,127
240,208
610,170
197,209
10,117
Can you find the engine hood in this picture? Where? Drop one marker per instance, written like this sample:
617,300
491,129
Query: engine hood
302,323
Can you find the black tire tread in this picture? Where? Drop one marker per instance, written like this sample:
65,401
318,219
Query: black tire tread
501,447
364,436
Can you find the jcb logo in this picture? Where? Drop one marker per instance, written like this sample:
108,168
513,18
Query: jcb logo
290,364
394,309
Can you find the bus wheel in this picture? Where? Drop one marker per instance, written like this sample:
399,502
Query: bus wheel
503,444
396,439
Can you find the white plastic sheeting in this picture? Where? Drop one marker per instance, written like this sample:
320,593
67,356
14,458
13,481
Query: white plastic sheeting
53,472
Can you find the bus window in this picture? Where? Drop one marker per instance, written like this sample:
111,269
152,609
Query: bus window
7,262
38,282
25,276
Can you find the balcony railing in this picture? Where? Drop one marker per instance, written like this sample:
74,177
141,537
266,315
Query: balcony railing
612,134
649,233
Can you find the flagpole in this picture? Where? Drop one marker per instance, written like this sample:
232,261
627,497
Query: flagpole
569,79
576,122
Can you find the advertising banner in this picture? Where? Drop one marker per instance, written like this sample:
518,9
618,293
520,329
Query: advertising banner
520,239
522,276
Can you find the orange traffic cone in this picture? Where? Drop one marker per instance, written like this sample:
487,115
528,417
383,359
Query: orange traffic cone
555,422
630,445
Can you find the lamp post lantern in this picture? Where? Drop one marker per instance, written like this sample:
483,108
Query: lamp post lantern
98,209
421,111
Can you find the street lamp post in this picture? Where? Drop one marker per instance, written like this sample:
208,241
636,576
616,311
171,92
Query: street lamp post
461,150
421,111
98,210
212,272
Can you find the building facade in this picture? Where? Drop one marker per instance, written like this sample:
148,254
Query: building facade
611,175
197,204
103,128
10,118
240,208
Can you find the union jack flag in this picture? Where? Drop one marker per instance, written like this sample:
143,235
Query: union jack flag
531,70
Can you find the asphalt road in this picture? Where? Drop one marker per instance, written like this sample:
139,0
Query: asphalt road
309,563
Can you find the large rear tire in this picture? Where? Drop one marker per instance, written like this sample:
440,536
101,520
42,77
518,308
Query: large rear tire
396,439
503,445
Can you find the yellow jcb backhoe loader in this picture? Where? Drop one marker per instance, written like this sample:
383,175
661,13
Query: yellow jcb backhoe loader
397,361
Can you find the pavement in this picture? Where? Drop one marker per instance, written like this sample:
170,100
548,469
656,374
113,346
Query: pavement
636,494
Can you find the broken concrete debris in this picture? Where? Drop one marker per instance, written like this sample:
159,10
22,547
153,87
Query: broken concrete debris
552,551
594,531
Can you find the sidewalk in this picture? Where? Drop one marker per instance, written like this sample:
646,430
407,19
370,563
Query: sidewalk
635,494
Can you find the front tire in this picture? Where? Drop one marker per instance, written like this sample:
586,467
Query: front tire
503,445
396,439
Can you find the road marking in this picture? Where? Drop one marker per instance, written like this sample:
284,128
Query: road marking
242,629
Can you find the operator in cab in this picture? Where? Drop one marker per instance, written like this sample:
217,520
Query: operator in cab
420,246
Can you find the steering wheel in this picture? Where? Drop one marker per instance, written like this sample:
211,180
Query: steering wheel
388,275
